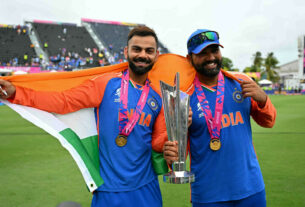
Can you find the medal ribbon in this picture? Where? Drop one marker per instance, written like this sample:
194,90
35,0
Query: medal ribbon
214,124
125,126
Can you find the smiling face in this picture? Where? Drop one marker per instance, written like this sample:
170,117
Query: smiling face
208,61
141,53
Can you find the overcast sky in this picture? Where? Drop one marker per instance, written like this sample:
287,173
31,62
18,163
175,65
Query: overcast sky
245,26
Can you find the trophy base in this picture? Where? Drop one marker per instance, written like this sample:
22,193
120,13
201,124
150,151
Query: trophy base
179,177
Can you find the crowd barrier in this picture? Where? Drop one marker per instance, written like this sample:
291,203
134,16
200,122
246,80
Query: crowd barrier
284,92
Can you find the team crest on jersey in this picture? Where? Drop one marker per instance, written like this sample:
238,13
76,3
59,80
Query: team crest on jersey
238,97
117,95
152,104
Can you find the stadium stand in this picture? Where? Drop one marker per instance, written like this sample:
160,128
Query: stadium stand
67,45
46,45
15,46
114,37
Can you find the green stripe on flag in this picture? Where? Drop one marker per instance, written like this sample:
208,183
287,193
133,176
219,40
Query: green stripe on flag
159,163
91,144
90,163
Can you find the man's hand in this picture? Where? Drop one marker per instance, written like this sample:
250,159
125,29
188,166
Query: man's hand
251,89
7,89
170,151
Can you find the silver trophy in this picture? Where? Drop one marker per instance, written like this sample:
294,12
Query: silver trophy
176,110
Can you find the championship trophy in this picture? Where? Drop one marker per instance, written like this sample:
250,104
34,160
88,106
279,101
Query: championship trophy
176,110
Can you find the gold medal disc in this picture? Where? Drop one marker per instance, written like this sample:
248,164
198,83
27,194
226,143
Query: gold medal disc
215,144
121,140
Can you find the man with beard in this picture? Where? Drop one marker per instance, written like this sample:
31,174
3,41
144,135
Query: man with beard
222,156
129,118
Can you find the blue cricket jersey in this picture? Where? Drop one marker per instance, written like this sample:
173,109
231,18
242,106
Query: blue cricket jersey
233,172
129,167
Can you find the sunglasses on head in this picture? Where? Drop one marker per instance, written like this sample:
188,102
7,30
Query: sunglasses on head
201,38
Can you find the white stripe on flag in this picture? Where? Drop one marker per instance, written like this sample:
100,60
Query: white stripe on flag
54,126
82,122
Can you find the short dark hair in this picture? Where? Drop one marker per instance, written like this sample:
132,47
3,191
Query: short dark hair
142,31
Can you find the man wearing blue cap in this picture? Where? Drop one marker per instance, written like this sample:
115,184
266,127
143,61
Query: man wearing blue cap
222,155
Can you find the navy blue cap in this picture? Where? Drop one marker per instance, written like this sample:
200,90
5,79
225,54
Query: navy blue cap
203,45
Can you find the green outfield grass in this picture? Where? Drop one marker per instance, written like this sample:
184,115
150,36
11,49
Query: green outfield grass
36,171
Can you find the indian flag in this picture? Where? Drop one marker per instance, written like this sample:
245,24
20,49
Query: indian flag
77,131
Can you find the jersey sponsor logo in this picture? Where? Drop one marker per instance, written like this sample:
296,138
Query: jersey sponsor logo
144,119
199,109
232,119
238,97
152,103
117,95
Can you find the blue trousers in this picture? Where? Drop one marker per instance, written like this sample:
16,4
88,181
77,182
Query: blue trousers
148,195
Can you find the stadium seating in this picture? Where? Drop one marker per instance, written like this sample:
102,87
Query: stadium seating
67,46
67,40
15,43
114,38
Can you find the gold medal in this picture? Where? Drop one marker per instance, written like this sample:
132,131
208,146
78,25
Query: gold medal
215,144
121,140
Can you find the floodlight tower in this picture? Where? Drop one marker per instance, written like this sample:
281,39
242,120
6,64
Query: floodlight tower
301,58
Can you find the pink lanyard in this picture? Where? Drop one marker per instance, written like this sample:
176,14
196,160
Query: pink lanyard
125,126
214,124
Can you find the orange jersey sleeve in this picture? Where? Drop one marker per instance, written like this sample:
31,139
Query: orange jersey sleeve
86,95
159,134
265,116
